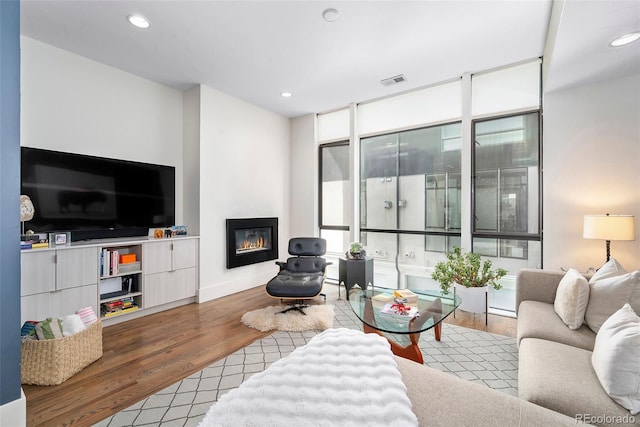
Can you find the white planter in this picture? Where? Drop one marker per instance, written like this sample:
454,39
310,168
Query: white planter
473,299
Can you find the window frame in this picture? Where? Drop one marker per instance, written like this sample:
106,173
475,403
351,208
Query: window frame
321,225
500,235
447,233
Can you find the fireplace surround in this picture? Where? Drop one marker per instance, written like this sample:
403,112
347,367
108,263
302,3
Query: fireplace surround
251,240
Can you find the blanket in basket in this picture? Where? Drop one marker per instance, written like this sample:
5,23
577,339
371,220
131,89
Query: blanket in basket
341,377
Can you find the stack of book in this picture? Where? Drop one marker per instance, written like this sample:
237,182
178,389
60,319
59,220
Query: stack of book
115,308
34,241
108,263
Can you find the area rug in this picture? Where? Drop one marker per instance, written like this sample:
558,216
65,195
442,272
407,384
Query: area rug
313,317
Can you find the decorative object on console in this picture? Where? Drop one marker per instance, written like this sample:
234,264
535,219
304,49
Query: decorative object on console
59,239
609,227
179,230
26,210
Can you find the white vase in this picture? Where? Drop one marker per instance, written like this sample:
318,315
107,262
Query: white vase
473,299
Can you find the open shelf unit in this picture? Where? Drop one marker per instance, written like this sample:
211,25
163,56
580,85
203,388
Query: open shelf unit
120,277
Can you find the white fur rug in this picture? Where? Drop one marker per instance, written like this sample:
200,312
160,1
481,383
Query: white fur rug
319,317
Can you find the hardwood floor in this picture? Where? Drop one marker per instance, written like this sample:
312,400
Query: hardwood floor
146,355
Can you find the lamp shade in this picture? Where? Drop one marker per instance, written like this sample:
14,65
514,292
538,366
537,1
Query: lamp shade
609,227
26,208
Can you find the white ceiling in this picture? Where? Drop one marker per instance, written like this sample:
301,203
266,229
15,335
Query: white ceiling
254,50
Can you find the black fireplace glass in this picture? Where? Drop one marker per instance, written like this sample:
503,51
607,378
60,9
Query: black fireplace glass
251,240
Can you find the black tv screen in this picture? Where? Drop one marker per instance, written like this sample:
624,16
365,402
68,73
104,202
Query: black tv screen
96,197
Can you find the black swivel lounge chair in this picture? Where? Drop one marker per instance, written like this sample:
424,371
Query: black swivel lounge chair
301,276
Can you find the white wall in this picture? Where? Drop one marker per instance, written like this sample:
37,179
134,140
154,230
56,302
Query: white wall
235,155
591,165
304,177
70,103
244,173
191,154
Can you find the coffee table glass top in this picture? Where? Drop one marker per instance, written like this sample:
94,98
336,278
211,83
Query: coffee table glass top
433,306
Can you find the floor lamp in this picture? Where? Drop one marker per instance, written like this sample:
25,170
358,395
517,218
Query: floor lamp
609,227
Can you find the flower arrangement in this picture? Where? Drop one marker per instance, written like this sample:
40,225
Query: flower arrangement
467,270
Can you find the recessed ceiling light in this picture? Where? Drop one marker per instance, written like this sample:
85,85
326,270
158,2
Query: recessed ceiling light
286,94
626,39
330,14
139,21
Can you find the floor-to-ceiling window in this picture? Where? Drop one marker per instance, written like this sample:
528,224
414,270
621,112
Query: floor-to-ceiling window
335,195
410,197
454,164
506,194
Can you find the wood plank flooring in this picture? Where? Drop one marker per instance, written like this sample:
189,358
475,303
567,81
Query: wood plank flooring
148,354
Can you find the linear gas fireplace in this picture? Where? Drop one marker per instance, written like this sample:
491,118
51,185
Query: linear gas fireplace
251,240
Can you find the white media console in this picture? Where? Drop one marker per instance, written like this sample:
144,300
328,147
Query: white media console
58,281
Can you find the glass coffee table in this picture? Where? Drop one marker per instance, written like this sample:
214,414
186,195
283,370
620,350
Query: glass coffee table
433,308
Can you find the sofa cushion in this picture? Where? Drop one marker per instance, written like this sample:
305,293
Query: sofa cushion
616,358
572,297
560,377
608,295
610,268
539,320
442,399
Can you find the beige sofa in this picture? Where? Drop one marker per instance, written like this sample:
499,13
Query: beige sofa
442,399
555,369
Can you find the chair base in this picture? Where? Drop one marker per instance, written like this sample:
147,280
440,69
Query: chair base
297,307
299,300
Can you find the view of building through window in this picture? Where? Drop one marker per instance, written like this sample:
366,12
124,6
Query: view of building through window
470,179
335,196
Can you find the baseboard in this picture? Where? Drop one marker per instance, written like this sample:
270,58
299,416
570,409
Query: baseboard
220,290
14,413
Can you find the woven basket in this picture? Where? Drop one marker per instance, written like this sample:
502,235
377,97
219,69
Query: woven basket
51,362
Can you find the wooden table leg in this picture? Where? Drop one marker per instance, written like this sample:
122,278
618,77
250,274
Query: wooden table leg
437,331
411,352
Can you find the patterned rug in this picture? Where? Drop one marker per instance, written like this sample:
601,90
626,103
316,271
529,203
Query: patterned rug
481,357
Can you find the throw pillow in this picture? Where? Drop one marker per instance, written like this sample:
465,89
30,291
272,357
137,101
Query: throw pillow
49,329
616,358
610,268
87,315
572,297
606,296
72,324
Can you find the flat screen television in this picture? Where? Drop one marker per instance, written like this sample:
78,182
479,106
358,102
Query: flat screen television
96,197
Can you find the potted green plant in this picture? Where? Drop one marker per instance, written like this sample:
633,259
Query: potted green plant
356,251
467,271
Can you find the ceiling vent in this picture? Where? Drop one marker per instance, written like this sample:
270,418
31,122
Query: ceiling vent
393,80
